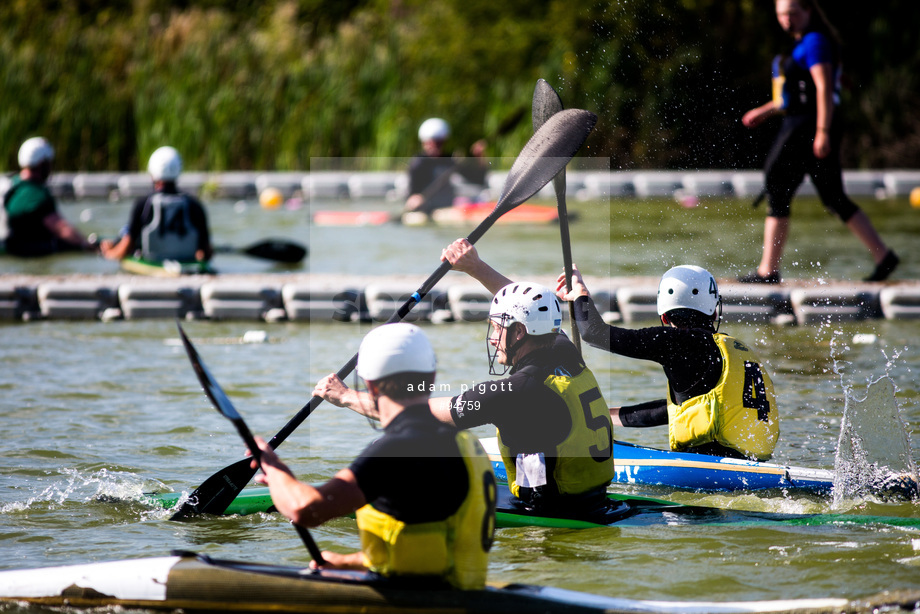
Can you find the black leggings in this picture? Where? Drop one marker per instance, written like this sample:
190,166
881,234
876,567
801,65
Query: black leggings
792,157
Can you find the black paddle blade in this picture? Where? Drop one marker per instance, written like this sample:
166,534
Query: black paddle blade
218,491
277,250
545,154
216,497
217,395
546,103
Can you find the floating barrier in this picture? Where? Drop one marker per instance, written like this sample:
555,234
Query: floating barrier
752,303
899,183
134,185
581,184
233,300
158,301
14,300
383,299
233,185
818,305
900,303
602,185
289,184
61,185
96,185
657,183
469,303
638,303
311,298
372,185
707,183
867,183
76,300
326,185
747,183
305,302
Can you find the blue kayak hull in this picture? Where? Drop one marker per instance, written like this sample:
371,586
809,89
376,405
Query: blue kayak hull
700,472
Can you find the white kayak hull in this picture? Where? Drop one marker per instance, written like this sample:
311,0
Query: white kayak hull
197,584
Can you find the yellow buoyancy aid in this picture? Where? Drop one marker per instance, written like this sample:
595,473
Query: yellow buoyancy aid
584,459
740,412
454,549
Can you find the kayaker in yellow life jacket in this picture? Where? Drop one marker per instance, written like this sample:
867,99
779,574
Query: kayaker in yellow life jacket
554,429
720,398
409,534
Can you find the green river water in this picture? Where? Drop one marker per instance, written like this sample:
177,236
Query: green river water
94,414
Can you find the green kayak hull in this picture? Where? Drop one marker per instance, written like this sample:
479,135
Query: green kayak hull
625,510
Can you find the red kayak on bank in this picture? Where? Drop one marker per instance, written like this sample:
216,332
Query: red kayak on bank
458,215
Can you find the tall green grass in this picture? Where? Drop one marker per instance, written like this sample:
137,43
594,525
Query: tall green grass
242,84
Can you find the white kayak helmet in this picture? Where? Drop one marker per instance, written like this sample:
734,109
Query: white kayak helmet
434,129
688,287
34,151
533,305
165,164
395,348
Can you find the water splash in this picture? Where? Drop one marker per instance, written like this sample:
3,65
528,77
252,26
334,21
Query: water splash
874,451
82,487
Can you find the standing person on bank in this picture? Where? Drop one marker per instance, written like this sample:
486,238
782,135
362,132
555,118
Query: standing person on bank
435,536
167,224
428,167
33,226
554,429
806,93
720,398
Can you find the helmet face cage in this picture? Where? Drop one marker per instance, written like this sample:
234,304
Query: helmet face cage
370,412
496,324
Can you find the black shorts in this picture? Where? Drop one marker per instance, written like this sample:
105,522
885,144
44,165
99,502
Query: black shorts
791,158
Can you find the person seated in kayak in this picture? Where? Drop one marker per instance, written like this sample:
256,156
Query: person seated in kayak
429,189
29,220
167,224
720,399
554,428
436,534
553,424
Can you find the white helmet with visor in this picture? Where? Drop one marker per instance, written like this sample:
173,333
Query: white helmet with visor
532,305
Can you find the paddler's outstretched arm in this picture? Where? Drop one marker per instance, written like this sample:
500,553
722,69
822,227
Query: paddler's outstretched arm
463,257
303,503
334,390
331,388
